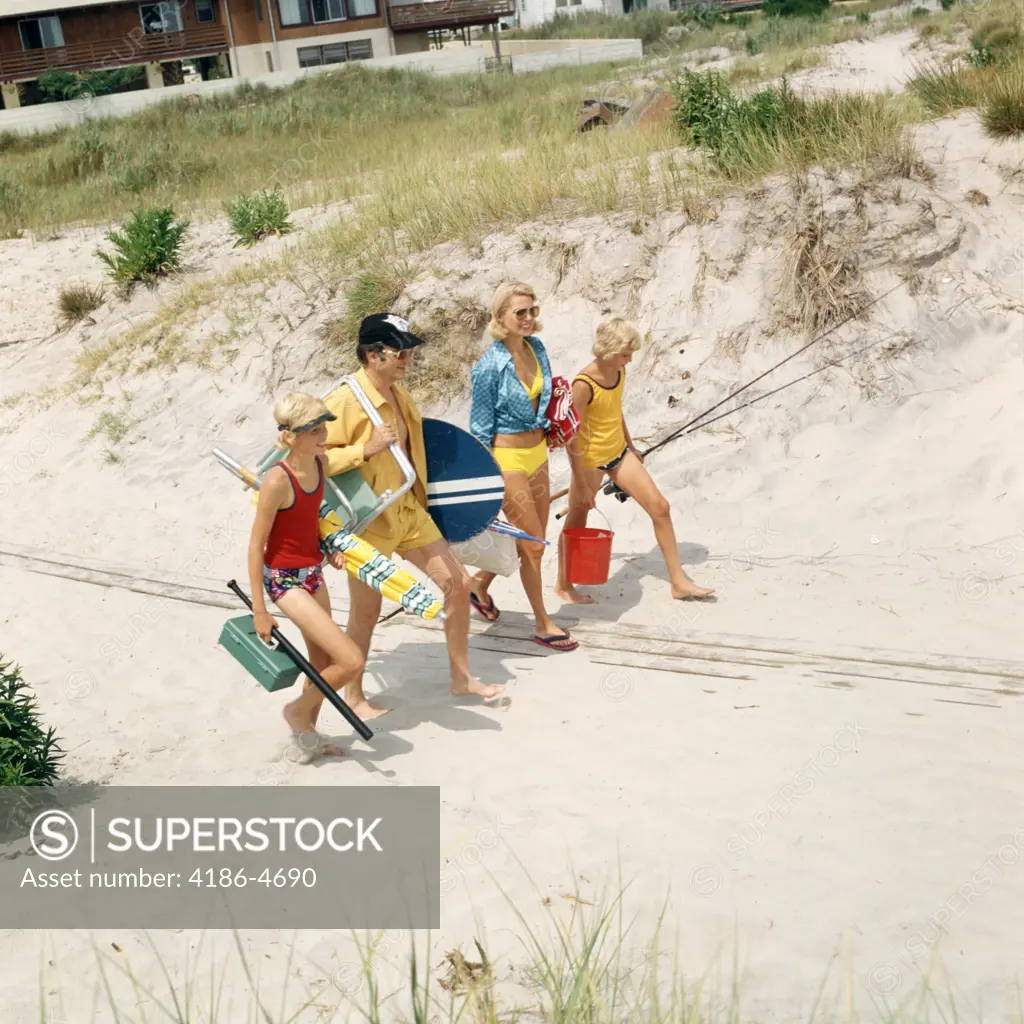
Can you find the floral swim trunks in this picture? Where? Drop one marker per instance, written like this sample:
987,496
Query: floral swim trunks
278,582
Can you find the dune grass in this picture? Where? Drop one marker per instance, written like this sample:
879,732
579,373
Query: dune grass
414,160
987,74
505,154
329,137
996,91
576,963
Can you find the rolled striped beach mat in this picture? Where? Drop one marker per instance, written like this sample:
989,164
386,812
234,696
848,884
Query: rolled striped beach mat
369,566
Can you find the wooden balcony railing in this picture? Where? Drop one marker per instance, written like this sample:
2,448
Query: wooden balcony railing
133,48
447,13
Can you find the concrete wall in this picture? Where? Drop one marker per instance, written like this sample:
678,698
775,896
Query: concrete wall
518,47
48,116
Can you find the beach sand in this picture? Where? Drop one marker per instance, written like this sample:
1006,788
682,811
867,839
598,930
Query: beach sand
807,769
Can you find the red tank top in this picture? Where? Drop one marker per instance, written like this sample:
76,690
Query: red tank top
294,541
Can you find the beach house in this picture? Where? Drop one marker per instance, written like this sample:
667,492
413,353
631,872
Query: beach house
60,43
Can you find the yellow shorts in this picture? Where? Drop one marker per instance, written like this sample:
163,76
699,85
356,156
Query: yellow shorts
521,460
416,529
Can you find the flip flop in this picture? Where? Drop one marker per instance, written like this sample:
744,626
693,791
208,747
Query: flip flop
488,611
549,642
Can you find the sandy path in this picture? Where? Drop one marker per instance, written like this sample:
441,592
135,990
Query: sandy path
808,813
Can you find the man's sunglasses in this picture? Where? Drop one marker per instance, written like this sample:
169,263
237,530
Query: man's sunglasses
522,314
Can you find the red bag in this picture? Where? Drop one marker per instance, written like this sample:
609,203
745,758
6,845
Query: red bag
561,413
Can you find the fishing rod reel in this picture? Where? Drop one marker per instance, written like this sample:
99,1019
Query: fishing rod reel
613,488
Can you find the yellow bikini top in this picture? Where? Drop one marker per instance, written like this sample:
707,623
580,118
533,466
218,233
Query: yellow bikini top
535,389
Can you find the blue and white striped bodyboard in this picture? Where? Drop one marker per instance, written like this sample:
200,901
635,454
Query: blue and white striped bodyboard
465,488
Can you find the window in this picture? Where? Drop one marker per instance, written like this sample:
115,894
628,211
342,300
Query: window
41,33
322,12
259,10
163,17
328,10
204,12
335,53
293,12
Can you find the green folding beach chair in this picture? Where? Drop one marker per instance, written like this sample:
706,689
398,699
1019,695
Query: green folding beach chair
348,495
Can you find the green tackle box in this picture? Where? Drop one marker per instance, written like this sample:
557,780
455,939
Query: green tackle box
269,666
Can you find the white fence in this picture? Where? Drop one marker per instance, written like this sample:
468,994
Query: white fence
48,116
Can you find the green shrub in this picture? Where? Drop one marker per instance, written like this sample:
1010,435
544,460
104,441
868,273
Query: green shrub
981,55
257,216
920,12
148,246
995,42
28,755
741,19
753,45
703,16
947,4
796,8
66,85
710,115
59,85
864,17
774,128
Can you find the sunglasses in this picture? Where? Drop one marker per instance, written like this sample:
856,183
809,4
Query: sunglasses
522,314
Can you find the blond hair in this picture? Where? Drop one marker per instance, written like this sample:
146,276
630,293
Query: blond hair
616,337
295,410
503,297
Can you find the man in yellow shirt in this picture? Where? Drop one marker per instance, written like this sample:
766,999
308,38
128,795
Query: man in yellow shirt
404,528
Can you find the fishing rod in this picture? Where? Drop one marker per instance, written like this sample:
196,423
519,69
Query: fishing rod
612,488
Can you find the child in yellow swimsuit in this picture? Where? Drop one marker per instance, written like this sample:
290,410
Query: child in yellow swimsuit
603,446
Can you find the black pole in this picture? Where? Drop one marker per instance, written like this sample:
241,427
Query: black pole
318,680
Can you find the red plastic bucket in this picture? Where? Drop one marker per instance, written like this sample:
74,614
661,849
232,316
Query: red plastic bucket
588,555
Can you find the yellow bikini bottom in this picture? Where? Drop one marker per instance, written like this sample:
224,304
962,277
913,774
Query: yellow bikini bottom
521,460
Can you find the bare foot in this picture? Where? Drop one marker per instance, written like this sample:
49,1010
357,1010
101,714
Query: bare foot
473,687
572,595
307,744
689,590
365,710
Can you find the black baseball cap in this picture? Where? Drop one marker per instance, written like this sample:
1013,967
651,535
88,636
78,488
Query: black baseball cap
387,329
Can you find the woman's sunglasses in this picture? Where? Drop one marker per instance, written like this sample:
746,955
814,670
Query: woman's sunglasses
522,314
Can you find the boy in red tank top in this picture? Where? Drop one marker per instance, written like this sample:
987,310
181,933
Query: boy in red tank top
285,560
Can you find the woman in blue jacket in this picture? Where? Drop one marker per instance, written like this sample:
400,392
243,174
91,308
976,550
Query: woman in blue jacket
511,391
